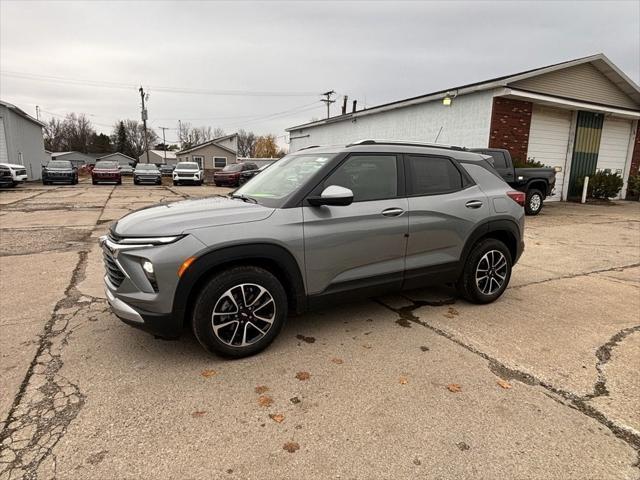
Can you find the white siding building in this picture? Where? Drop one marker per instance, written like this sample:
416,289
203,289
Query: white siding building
21,140
539,115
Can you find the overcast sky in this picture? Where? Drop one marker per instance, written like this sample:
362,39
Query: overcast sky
374,52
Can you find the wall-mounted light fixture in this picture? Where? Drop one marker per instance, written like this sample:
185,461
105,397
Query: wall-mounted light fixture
448,98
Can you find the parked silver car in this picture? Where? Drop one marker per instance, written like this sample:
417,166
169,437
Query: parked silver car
147,173
320,224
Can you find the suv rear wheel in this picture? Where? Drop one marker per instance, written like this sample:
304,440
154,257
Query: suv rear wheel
487,272
239,312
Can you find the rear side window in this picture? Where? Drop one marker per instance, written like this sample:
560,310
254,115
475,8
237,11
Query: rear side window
369,177
499,160
433,175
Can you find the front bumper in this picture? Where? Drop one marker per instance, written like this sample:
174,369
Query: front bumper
147,179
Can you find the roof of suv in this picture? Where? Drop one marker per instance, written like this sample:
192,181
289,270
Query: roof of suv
377,146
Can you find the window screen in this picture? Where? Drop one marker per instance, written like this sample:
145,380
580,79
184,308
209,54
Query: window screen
369,177
433,175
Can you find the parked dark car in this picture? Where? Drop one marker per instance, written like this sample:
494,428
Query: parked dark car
247,175
536,183
167,170
59,171
229,176
147,173
6,179
106,171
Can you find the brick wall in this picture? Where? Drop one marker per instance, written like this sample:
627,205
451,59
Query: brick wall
510,123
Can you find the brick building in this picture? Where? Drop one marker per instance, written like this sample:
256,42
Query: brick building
580,115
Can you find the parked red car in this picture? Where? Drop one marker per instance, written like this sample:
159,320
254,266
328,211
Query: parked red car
106,171
229,176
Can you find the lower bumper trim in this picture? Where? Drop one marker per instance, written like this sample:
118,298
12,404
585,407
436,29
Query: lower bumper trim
123,310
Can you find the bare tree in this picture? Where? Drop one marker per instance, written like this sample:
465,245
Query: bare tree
190,136
54,138
78,132
246,144
218,132
135,137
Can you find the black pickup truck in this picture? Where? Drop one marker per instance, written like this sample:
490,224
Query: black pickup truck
536,183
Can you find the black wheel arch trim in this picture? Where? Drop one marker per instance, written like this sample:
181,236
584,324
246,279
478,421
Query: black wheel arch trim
270,254
494,225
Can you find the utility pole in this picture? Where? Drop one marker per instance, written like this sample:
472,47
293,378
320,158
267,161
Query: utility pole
144,123
164,143
328,100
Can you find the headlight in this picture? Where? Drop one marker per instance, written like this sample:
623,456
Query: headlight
149,240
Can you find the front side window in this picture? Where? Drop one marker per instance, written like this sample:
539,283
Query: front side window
369,177
433,175
219,162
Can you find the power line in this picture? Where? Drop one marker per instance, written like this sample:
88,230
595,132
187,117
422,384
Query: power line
156,88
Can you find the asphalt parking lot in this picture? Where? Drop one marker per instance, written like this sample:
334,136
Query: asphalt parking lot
542,384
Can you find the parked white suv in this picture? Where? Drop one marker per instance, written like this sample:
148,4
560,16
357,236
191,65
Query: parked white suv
18,172
187,172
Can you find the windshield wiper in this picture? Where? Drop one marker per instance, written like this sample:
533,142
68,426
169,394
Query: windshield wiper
244,198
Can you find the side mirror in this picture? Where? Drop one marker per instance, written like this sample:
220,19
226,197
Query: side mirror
333,195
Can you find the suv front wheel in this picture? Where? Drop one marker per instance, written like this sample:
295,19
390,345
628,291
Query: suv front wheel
240,311
487,272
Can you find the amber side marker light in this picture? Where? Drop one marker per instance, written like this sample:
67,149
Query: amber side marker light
185,265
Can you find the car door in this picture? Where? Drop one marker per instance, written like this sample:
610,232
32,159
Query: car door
445,206
361,245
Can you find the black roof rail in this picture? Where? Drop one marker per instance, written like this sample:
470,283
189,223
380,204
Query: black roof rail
405,143
308,147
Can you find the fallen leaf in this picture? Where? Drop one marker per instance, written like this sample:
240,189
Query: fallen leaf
403,380
454,387
306,339
504,384
302,376
198,413
291,447
424,349
260,389
366,345
208,373
265,400
451,312
463,446
337,361
277,417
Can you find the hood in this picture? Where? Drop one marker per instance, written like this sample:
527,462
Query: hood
177,217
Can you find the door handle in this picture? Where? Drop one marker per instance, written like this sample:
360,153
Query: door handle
473,204
392,212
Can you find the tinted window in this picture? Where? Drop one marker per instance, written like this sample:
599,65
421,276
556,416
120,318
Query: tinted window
59,164
499,160
369,177
250,166
106,165
146,167
236,167
187,166
433,175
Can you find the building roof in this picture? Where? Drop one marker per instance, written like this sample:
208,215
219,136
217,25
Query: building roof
600,61
170,153
210,142
116,153
19,111
61,154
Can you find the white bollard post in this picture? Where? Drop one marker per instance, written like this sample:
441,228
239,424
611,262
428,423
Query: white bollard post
584,189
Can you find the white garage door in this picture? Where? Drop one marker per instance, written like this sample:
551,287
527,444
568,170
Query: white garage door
549,140
614,145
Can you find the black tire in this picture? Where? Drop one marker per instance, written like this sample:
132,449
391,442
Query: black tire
94,182
175,184
217,184
477,291
45,182
215,294
533,203
119,182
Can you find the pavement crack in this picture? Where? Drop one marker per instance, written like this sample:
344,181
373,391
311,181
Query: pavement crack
620,268
46,402
576,402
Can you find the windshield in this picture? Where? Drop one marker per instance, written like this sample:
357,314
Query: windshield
187,166
273,186
107,165
146,167
59,164
232,168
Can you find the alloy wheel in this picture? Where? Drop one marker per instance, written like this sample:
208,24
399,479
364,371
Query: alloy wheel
535,202
491,272
243,315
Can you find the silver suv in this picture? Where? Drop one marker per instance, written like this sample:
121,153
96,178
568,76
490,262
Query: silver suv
319,224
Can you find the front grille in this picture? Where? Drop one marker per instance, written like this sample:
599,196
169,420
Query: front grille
115,275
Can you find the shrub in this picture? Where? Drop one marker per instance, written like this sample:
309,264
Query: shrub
603,185
633,186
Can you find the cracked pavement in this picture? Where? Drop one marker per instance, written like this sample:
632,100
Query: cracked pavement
541,384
